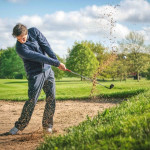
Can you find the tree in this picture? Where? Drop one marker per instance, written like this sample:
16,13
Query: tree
96,48
58,73
82,60
11,65
148,74
133,47
122,68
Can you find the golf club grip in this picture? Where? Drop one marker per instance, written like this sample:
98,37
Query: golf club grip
68,70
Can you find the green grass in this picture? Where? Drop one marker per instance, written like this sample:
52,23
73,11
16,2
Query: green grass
125,127
72,88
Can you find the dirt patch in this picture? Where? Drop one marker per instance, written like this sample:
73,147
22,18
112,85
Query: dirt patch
67,114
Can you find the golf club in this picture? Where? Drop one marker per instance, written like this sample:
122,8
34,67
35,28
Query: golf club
110,87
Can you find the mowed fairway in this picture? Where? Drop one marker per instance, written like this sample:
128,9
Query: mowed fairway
74,105
72,88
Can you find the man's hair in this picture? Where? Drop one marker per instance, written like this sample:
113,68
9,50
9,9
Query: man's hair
19,29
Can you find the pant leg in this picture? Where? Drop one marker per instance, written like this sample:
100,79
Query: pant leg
35,84
49,89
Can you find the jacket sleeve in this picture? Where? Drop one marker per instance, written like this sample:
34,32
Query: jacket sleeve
44,44
25,53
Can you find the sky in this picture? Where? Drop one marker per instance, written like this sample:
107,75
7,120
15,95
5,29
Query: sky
65,21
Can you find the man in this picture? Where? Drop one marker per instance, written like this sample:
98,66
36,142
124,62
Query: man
32,47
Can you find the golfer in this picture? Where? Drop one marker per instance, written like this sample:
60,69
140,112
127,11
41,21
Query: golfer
33,49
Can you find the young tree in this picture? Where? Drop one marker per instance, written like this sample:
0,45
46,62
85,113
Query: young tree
82,60
133,46
117,69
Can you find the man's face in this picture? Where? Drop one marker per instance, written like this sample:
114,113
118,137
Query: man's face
22,38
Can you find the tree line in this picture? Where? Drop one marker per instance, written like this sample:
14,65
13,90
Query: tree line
84,58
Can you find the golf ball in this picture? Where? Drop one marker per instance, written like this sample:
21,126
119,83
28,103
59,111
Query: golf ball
124,57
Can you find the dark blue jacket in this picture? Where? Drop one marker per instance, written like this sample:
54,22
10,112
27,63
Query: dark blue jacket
33,52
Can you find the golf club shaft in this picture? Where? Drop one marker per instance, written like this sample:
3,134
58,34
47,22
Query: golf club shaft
86,78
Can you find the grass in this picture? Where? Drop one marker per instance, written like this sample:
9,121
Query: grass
72,88
125,127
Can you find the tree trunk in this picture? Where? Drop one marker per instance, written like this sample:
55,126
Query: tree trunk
121,78
125,78
138,76
81,76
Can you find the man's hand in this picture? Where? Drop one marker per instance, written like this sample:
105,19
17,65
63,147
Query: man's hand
62,67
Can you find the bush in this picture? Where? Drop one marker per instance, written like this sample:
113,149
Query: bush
18,75
148,74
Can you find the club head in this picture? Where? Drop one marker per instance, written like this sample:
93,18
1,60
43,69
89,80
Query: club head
111,86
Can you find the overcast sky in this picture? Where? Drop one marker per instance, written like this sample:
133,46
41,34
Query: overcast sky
65,21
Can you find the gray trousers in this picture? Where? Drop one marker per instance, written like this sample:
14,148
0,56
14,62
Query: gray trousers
36,82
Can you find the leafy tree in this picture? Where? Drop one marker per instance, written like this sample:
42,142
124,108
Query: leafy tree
148,73
82,60
112,71
118,68
133,46
96,48
11,66
58,73
121,67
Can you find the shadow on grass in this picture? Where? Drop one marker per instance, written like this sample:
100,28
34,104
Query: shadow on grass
114,98
124,94
16,82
